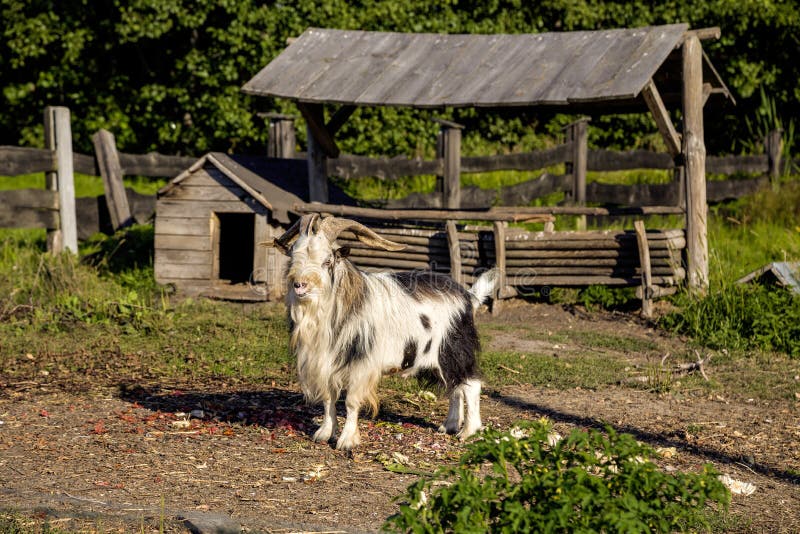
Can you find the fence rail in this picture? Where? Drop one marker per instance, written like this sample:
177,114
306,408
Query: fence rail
41,208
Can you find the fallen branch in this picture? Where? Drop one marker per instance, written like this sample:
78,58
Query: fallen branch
681,369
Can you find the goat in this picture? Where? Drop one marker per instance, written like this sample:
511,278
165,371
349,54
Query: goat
349,327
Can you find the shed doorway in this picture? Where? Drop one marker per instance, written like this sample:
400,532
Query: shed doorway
234,237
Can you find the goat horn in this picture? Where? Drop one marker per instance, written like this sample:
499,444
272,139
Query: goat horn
300,227
331,227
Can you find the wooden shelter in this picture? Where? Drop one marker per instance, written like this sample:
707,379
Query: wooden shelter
594,72
210,218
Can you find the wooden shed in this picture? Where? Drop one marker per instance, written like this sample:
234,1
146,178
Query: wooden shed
651,69
210,218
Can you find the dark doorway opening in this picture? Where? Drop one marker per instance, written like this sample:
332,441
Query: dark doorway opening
236,241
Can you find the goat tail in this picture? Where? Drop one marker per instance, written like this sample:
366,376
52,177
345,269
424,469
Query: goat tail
484,286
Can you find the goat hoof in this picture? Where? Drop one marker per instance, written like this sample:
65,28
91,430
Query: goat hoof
346,444
323,435
446,429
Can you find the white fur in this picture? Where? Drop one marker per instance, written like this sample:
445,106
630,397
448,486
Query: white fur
387,322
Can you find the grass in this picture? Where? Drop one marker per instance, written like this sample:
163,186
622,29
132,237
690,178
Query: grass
85,185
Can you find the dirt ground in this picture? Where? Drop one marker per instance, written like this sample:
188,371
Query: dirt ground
100,453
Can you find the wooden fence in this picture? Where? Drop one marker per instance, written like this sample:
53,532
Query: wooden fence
55,208
68,219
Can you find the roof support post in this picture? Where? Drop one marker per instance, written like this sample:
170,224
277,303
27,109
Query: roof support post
320,146
656,106
577,134
449,149
694,152
281,142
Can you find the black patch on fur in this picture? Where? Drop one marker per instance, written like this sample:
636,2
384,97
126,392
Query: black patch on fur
409,354
426,321
426,284
357,349
430,379
427,348
459,349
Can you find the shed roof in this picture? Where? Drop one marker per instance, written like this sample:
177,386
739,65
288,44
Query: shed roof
366,68
277,184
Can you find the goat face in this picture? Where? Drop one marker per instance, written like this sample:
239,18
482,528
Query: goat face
314,255
311,266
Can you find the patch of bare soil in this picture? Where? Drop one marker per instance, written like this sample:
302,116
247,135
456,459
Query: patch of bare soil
102,453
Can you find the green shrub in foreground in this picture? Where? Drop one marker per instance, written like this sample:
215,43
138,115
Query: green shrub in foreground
586,482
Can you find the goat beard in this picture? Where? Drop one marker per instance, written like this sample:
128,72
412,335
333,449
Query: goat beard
313,330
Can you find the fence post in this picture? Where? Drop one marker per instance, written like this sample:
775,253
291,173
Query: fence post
454,250
105,150
281,142
499,231
449,149
58,138
577,135
773,144
694,151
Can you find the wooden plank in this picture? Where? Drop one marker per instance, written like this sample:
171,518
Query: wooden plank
579,270
224,192
362,55
55,237
85,164
646,269
628,260
216,236
184,256
400,264
721,190
16,160
465,59
201,208
154,164
663,121
613,160
60,140
524,161
31,199
694,151
198,226
499,229
641,195
29,208
601,255
451,172
348,166
164,270
317,131
405,215
105,149
281,141
412,55
774,147
579,281
455,251
733,164
183,242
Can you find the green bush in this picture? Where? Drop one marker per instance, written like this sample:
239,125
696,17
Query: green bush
113,285
586,482
741,318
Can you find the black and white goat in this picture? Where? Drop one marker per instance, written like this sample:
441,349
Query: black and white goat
349,327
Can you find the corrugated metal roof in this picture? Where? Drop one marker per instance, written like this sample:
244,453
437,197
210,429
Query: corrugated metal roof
437,70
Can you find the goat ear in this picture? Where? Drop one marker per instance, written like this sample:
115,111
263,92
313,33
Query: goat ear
342,252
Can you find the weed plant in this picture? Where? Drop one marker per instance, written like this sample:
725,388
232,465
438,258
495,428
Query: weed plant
586,482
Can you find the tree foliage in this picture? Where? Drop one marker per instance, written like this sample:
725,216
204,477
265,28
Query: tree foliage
166,74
